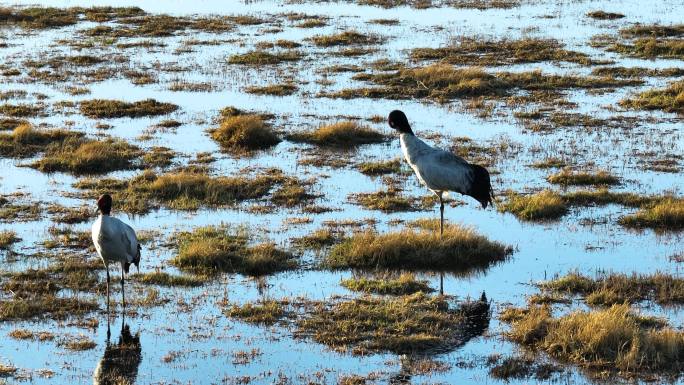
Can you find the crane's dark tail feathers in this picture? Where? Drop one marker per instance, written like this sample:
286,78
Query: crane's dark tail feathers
481,188
136,261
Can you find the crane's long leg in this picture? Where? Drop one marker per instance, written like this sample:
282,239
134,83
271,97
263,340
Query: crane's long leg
107,267
123,293
441,235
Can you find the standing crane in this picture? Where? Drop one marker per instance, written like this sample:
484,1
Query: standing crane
114,241
441,171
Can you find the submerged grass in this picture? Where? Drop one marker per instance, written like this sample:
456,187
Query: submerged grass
459,249
264,57
218,249
406,283
265,312
615,288
166,279
107,108
346,134
612,339
345,38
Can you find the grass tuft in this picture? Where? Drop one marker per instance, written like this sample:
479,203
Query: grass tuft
543,205
408,324
583,178
264,313
612,339
459,249
668,99
667,214
107,108
341,135
216,249
245,132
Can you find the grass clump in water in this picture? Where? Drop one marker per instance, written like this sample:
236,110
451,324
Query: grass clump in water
283,89
317,240
459,249
108,108
56,307
380,167
21,110
609,289
7,239
83,156
218,249
166,279
26,141
543,205
401,325
583,178
470,51
390,200
406,283
668,99
603,15
666,214
341,135
264,57
265,312
344,38
245,132
652,48
612,339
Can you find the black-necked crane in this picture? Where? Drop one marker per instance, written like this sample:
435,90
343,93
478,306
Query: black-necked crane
114,241
441,171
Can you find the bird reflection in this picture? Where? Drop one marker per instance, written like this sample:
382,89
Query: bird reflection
476,315
120,361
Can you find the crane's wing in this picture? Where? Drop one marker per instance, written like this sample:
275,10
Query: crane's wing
444,171
130,241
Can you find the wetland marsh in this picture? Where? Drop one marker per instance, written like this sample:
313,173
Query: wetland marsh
285,240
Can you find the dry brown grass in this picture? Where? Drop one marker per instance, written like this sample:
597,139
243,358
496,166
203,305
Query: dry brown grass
583,178
668,99
460,249
83,156
341,135
612,339
546,204
667,214
106,108
245,132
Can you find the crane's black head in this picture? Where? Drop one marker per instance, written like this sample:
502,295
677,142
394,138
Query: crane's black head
104,204
397,120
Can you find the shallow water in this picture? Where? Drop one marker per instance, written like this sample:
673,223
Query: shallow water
192,327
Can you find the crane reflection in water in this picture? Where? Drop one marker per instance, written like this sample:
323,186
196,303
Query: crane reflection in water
120,361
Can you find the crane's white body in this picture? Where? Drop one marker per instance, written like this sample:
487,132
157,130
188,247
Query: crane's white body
114,240
439,170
